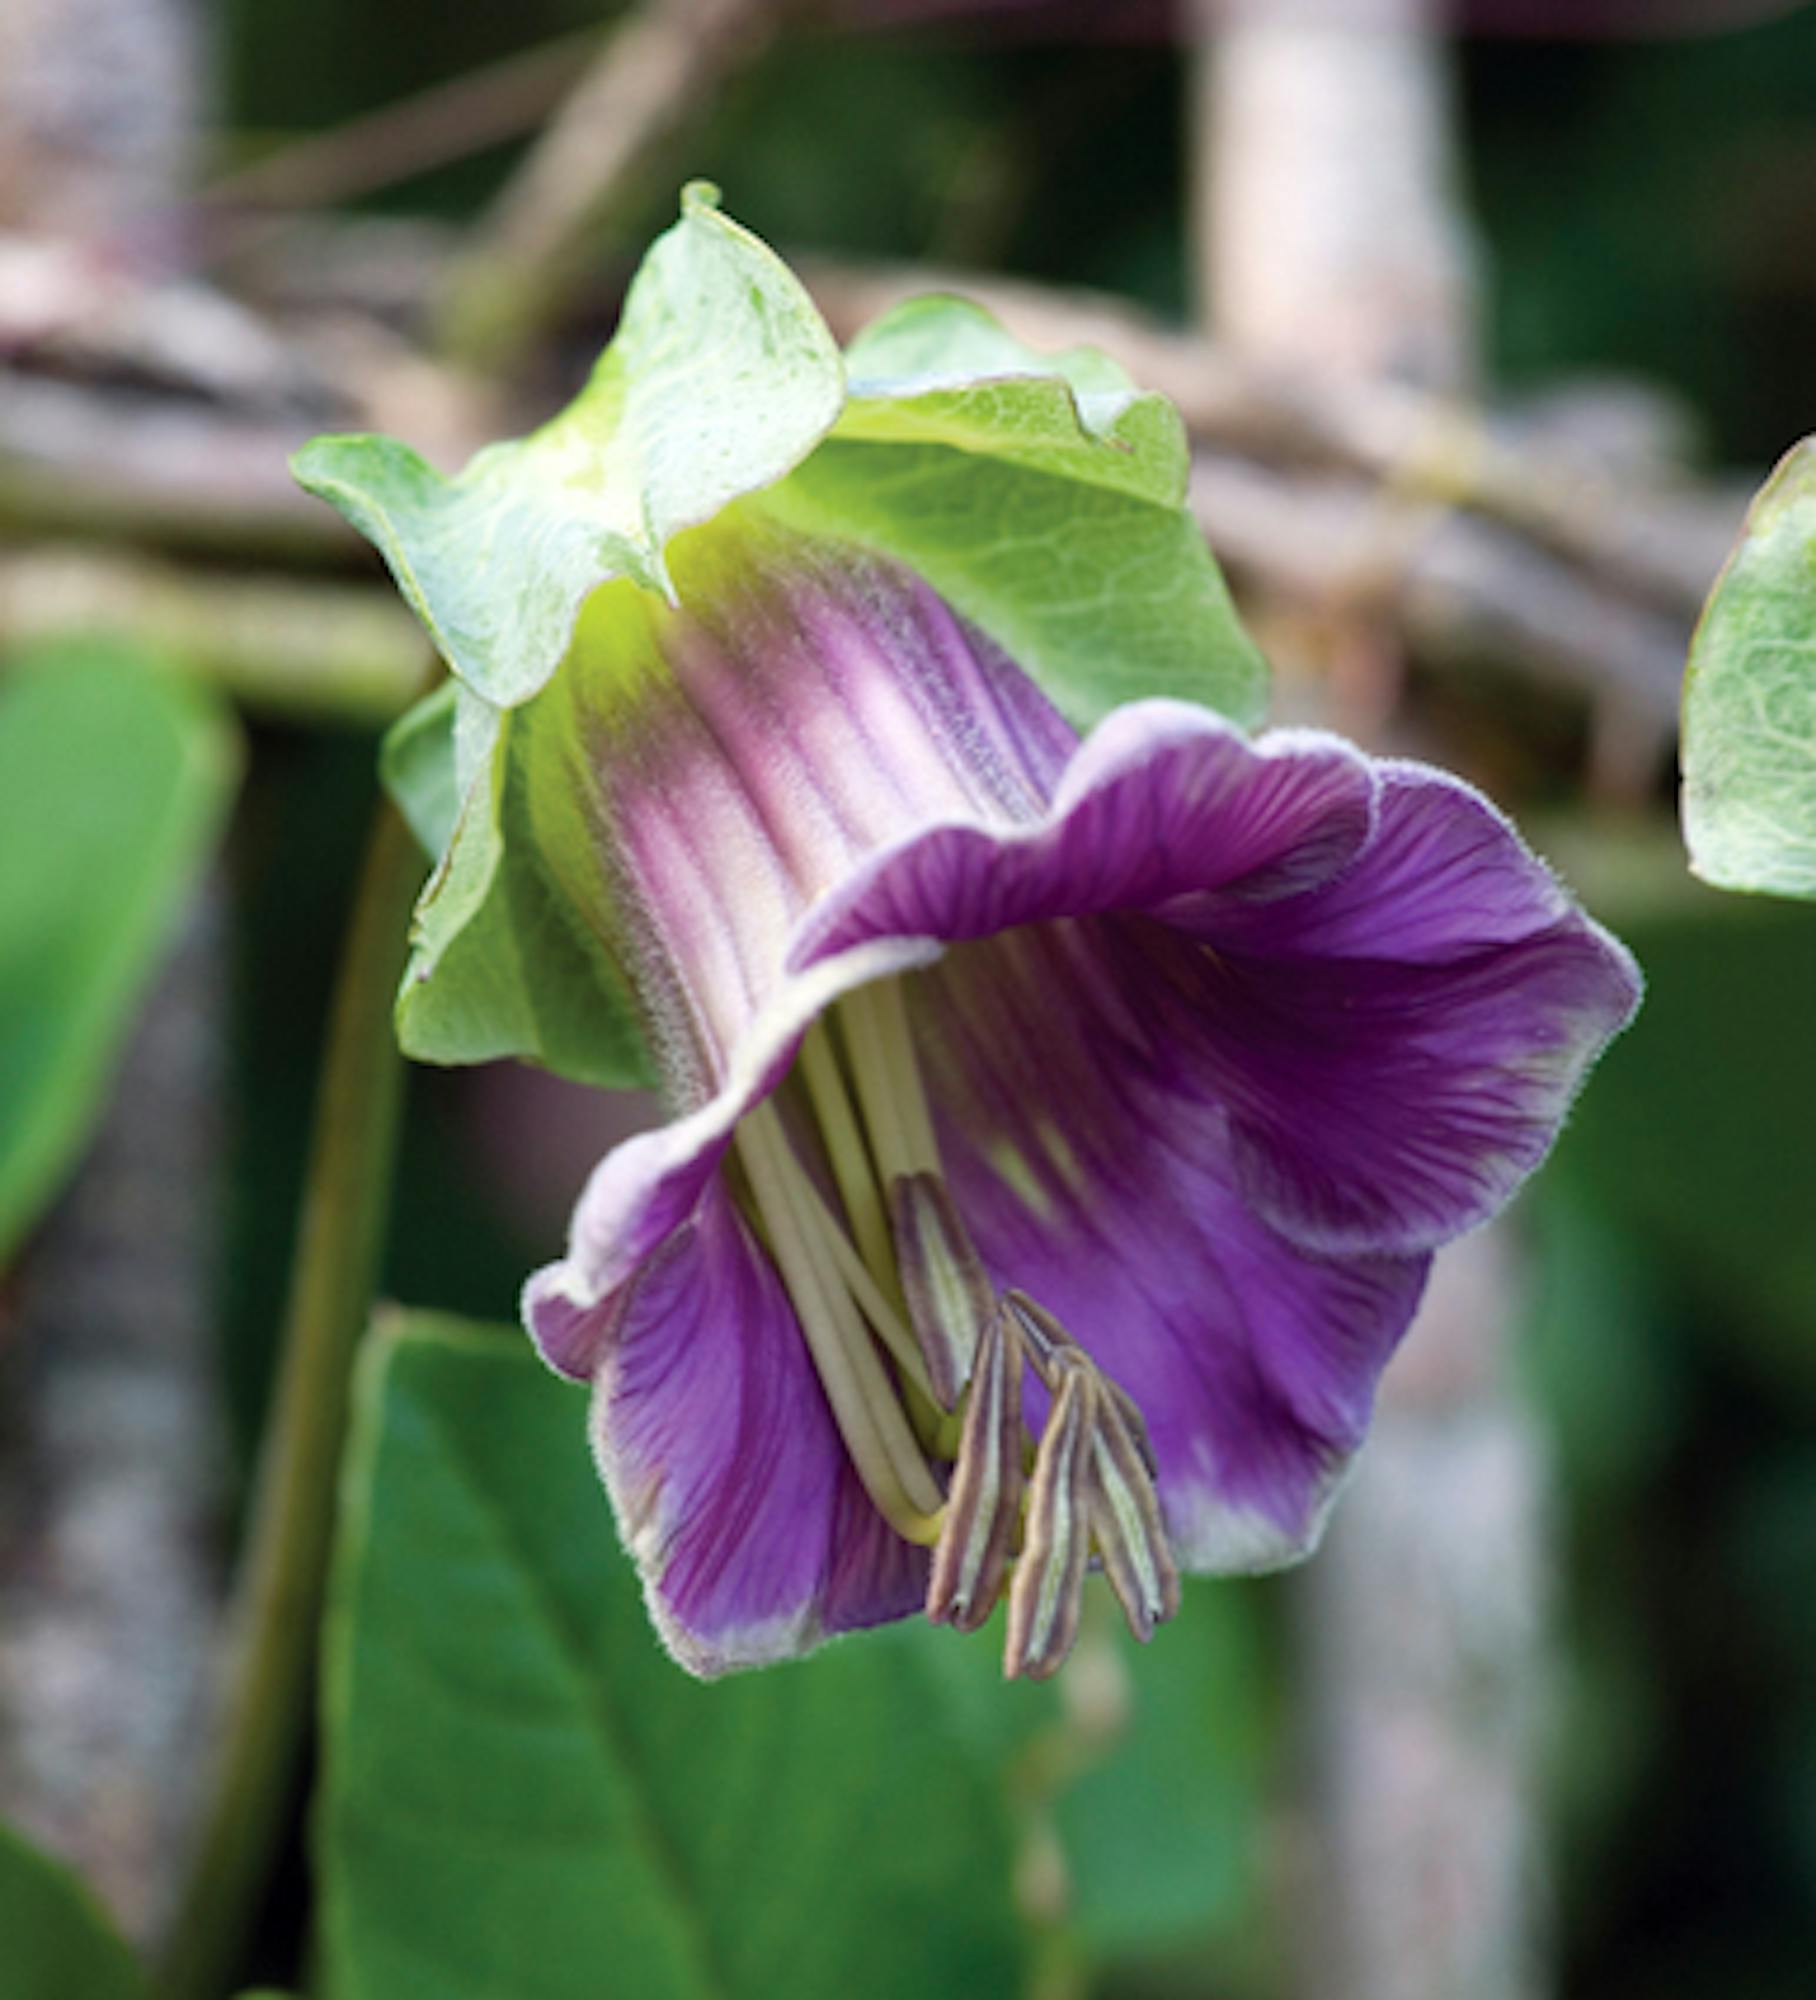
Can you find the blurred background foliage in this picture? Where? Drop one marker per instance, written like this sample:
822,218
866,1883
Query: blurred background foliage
1644,208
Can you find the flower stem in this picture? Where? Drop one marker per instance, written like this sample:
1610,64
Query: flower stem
278,1596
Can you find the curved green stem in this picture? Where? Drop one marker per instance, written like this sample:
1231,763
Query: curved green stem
339,1242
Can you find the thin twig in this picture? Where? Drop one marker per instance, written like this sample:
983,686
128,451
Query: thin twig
158,471
1426,445
339,1241
1456,585
320,652
657,70
451,121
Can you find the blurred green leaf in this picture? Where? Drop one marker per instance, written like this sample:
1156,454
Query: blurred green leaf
1599,1345
1750,699
1154,1761
1696,1137
114,776
55,1941
526,1800
722,375
1164,1836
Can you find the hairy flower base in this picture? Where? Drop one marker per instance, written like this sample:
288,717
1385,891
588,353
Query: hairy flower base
922,1364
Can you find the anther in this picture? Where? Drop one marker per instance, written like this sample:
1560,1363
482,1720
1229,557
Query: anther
1126,1525
950,1302
1049,1574
983,1501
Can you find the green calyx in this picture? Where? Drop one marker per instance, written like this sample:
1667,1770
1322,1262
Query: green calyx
1042,495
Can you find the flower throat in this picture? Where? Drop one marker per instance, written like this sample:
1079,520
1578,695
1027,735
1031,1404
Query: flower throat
923,1362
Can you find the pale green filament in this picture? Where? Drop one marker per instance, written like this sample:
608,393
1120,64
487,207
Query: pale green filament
900,1127
864,1404
845,1149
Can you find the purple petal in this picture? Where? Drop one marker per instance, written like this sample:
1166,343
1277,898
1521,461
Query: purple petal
1163,802
1399,1047
736,757
1363,967
1092,1180
647,1188
732,1488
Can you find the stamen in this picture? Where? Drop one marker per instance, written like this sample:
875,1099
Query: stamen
845,1149
984,1499
1049,1575
1122,1506
888,1080
950,1301
1126,1525
864,1404
890,1328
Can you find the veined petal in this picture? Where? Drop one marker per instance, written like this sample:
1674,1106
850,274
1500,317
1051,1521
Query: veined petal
1092,1172
1164,808
1399,1047
1362,967
749,1553
735,757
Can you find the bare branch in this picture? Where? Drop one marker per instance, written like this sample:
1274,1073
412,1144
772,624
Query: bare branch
1423,445
657,69
321,652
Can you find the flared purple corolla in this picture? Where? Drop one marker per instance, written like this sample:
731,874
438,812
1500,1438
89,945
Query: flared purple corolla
1063,1129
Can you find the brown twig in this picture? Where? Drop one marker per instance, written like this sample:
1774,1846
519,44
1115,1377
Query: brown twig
1427,445
322,652
657,70
451,121
1458,586
155,471
109,1586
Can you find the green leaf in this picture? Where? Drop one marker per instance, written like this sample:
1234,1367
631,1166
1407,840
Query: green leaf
721,377
503,961
1164,1835
526,1800
1750,700
114,776
513,953
1161,1820
55,1941
1101,595
941,370
1044,495
417,764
